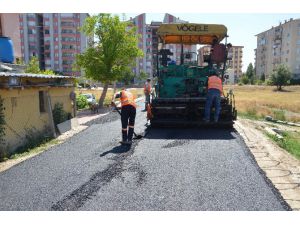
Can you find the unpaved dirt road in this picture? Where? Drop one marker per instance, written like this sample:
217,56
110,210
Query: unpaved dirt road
169,169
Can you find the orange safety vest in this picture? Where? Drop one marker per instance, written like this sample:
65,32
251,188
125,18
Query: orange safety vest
147,88
127,99
215,82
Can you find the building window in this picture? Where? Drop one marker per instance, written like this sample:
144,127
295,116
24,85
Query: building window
286,59
42,101
31,31
47,32
298,42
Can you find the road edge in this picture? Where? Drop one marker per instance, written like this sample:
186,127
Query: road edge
280,170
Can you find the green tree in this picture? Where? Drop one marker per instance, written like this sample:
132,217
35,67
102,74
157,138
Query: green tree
33,66
114,51
250,73
280,76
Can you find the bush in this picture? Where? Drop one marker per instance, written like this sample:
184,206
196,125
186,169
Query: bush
269,82
81,102
245,80
59,115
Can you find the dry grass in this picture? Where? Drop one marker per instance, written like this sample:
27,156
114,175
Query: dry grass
260,101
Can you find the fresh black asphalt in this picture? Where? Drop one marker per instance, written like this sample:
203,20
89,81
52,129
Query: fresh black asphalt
169,169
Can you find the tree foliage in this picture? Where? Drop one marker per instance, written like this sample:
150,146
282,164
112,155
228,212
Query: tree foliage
250,73
281,76
33,67
114,51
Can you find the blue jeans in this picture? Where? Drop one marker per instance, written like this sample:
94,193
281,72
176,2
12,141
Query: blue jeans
213,95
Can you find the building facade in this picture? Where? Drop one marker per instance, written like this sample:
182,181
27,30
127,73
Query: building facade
235,61
140,23
54,38
9,27
279,45
28,101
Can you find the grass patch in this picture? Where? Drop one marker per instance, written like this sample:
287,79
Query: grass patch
279,115
289,142
260,101
24,151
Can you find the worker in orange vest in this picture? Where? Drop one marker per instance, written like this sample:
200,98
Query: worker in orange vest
215,89
128,112
147,92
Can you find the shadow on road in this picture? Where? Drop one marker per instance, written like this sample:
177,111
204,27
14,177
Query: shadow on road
191,133
117,150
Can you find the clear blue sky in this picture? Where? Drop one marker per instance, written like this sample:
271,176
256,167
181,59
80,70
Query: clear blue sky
242,28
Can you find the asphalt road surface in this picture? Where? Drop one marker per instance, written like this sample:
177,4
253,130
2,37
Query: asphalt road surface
169,169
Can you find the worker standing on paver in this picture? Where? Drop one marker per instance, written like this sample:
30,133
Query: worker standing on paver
128,112
147,92
215,89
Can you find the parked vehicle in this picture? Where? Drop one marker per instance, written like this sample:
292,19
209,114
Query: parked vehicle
90,98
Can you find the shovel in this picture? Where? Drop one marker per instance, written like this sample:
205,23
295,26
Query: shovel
136,136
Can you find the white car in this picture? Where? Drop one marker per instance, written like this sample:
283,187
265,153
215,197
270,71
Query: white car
90,98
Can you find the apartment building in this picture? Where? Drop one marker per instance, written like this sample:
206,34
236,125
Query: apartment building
9,27
279,45
143,43
234,63
54,38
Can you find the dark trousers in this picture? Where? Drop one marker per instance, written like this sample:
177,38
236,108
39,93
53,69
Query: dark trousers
213,96
128,113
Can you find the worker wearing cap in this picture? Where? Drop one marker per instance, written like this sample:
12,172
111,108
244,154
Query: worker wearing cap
147,92
128,112
215,89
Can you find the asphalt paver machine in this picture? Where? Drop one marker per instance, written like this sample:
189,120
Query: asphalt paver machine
181,85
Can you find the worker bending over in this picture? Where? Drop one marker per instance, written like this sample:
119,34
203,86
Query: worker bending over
128,112
215,89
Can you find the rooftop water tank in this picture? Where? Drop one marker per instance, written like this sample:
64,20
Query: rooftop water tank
6,50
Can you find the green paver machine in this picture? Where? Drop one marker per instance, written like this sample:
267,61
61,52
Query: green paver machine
180,91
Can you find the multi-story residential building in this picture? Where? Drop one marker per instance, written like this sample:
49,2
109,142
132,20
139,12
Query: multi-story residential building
236,61
9,27
279,45
234,64
54,38
140,23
